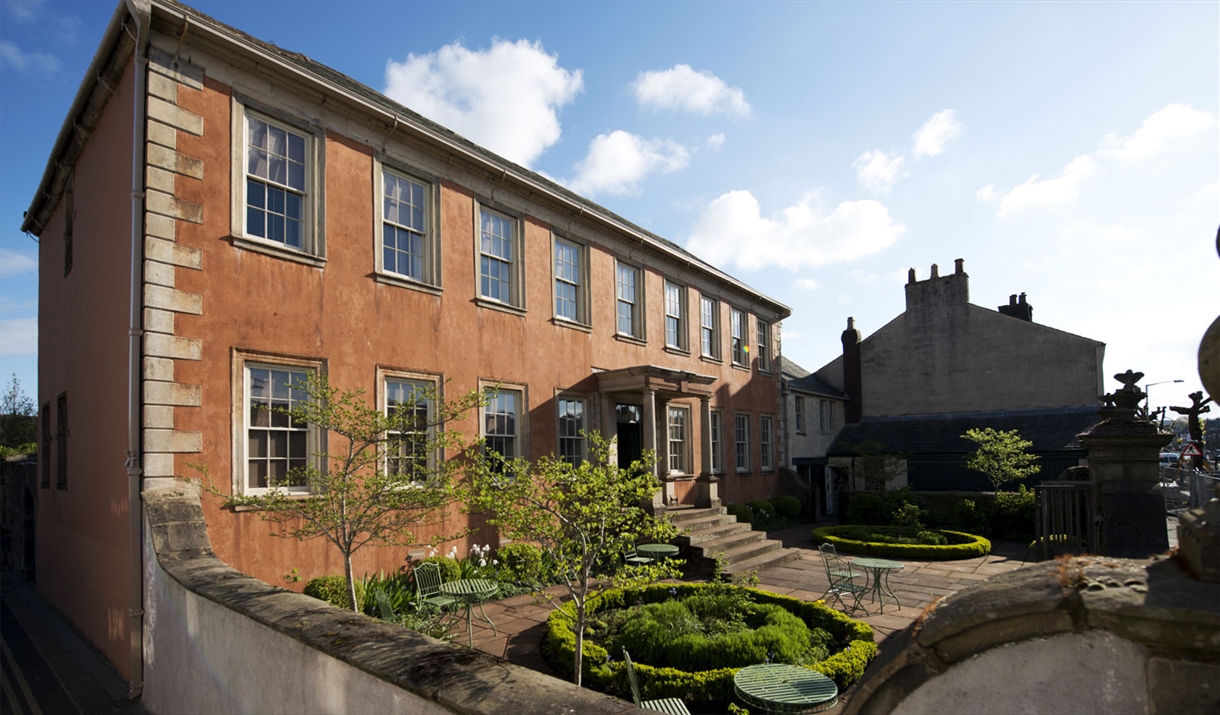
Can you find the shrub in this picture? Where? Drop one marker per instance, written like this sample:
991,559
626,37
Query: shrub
761,507
1013,518
864,541
966,516
907,516
743,512
450,570
522,562
876,507
786,506
333,590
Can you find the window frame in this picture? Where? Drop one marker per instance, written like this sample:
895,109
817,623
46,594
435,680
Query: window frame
681,456
739,343
520,417
516,263
430,279
798,406
384,377
638,325
763,346
580,285
716,428
315,439
313,230
579,438
677,326
826,416
62,432
741,442
766,443
709,328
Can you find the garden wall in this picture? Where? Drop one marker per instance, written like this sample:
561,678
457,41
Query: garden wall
219,641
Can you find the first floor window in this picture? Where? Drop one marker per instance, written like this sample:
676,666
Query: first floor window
741,441
498,257
679,440
675,316
628,289
405,227
766,445
276,182
764,346
61,441
571,430
278,447
410,444
826,416
799,405
717,426
570,299
501,423
709,327
737,335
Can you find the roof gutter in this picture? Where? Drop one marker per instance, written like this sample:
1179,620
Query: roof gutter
141,12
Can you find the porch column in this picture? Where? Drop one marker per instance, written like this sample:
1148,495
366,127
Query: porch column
649,396
609,425
707,486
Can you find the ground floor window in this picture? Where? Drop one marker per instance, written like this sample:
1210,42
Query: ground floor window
277,447
741,439
571,430
766,444
717,426
679,440
502,423
409,448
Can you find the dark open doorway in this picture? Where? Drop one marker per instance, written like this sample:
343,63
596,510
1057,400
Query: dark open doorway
630,431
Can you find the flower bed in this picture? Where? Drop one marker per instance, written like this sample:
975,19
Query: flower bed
704,689
960,544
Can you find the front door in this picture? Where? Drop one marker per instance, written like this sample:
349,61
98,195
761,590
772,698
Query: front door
630,431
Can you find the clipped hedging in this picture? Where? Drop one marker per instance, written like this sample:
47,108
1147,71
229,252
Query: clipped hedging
968,546
706,689
333,590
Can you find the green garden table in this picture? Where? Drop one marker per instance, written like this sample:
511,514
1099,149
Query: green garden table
780,688
471,591
880,584
657,551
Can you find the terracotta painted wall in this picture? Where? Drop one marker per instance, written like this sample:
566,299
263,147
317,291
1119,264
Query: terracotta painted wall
82,537
339,314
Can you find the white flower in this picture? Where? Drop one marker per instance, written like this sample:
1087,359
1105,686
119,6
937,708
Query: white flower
495,562
482,562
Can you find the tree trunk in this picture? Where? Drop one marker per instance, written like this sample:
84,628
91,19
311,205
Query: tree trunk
351,582
580,641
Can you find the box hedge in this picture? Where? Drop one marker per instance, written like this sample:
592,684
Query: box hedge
333,590
706,689
967,546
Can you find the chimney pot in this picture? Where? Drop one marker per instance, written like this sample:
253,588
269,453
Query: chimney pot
851,323
935,271
959,266
1012,299
1022,301
911,276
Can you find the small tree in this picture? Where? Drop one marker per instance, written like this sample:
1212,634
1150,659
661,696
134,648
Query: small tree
583,516
388,477
1002,456
18,419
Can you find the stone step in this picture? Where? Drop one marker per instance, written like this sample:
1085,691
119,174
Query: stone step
730,548
746,550
765,561
711,533
703,522
680,517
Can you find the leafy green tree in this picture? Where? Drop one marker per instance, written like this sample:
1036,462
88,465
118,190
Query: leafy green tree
1002,456
583,516
18,419
388,477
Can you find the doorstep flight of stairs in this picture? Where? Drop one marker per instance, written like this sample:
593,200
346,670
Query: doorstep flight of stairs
711,533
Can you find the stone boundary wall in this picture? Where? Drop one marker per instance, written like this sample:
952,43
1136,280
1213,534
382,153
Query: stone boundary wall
1083,634
219,641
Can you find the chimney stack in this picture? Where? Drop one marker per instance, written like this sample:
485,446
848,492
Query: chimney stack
1018,308
852,377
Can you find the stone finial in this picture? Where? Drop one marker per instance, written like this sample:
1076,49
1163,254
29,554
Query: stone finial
935,271
1121,405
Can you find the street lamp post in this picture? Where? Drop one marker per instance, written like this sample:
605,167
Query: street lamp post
1148,400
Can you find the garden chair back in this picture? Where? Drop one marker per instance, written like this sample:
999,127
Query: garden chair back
673,706
383,605
428,586
634,559
842,577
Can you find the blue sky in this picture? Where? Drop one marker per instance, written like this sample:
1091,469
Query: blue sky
814,150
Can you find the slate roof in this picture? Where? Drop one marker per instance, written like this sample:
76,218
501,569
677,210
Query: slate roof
1052,429
802,380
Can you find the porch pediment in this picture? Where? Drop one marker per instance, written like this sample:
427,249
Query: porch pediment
664,381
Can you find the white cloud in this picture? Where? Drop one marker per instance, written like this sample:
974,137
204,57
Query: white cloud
860,276
732,231
15,262
808,284
682,88
987,193
12,56
930,139
1176,121
11,305
793,335
19,336
618,161
1059,191
1211,191
505,98
878,171
24,11
715,141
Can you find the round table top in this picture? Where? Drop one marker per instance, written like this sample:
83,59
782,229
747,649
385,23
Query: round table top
468,587
870,563
662,549
781,687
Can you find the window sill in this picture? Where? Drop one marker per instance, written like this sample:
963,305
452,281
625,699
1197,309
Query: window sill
767,371
629,339
744,472
398,281
677,351
571,325
743,368
292,496
711,359
496,305
275,250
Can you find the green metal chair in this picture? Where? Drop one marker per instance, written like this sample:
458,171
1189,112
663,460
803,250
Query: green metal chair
634,559
428,587
842,577
672,706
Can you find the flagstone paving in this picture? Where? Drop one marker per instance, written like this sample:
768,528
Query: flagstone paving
520,620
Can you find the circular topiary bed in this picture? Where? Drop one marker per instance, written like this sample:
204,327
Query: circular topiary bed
778,628
888,542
